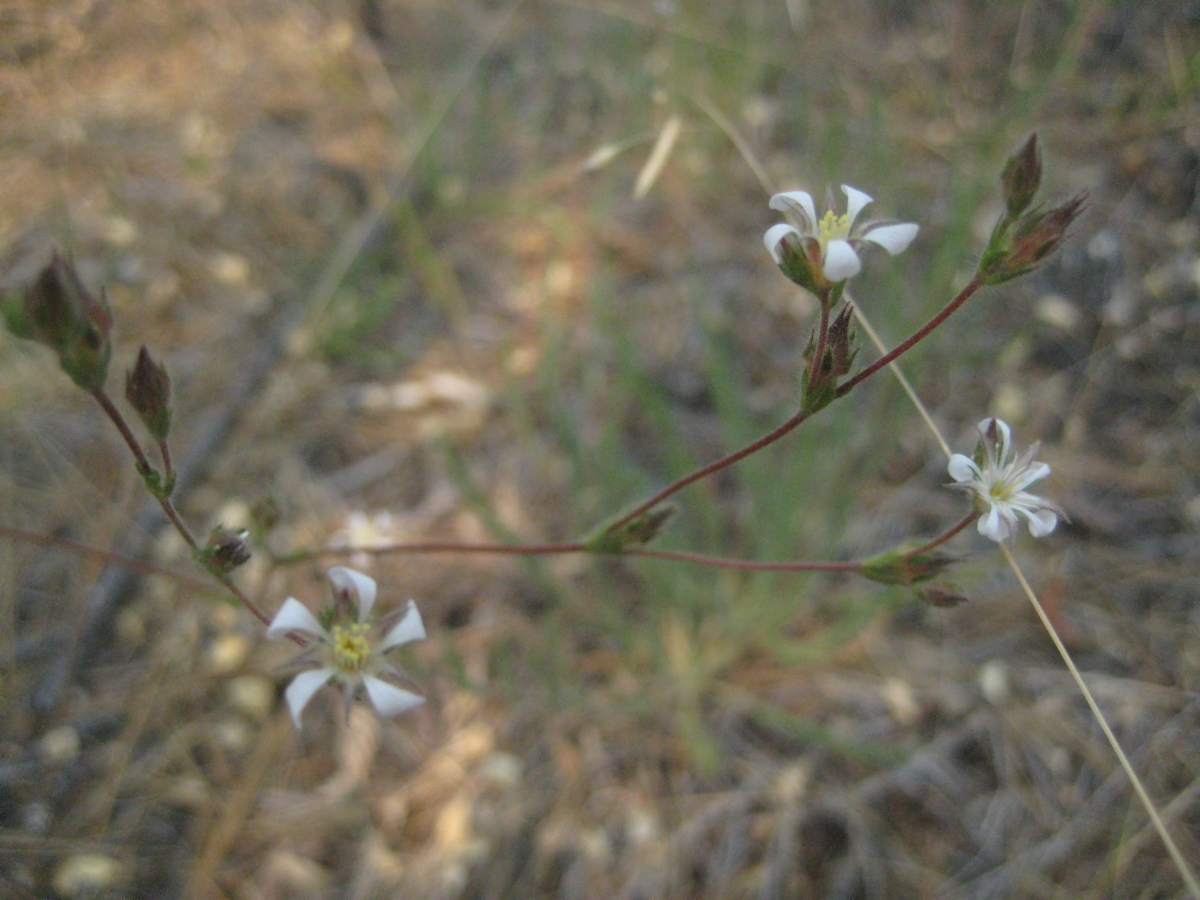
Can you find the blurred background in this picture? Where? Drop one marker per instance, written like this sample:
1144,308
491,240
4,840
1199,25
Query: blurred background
485,270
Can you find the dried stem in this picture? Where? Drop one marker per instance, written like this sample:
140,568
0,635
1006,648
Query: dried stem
1181,864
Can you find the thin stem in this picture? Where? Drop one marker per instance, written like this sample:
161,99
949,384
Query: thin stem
795,421
944,536
722,463
1180,863
743,564
904,383
168,508
106,404
48,540
168,469
972,286
450,547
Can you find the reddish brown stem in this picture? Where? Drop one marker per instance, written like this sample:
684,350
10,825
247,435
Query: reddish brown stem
47,540
168,508
796,420
704,471
721,562
944,536
168,468
923,332
450,547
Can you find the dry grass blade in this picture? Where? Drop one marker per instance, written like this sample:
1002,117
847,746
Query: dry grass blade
1181,864
658,157
238,807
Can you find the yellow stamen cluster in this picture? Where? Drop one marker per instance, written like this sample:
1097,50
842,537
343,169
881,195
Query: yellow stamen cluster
351,647
832,227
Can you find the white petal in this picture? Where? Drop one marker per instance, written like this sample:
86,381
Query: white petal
1041,522
799,203
302,688
388,699
841,262
1031,475
963,468
892,238
410,628
993,526
360,585
856,200
294,616
774,235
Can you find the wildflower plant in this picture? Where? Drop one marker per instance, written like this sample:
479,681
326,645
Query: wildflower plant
346,646
820,253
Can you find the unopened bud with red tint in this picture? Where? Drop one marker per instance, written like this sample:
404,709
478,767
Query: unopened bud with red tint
841,342
148,390
56,309
638,532
1022,176
902,566
1034,238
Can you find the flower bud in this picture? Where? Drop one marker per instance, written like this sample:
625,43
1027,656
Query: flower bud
942,596
898,567
148,390
819,385
1034,237
798,257
58,311
636,533
1022,176
224,551
841,342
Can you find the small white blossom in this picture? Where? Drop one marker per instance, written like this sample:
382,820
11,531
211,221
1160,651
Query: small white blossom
999,482
839,237
351,651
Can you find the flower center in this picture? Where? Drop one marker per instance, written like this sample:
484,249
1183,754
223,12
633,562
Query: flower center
351,648
832,227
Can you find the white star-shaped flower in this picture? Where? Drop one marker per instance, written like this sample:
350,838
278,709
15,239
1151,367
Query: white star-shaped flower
351,651
999,482
838,238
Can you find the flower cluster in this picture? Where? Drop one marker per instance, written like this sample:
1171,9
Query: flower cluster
349,648
829,246
998,480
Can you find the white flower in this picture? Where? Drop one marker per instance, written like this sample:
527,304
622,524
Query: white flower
838,237
351,650
999,484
